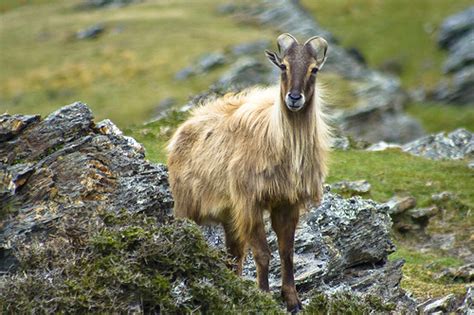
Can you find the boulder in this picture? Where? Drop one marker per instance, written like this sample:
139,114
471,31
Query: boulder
66,163
456,145
455,27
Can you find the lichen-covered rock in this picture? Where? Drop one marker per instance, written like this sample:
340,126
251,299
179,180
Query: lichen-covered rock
456,145
356,187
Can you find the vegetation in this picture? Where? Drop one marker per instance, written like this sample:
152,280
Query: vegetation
127,263
347,303
419,271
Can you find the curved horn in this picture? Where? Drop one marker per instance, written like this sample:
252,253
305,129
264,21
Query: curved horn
285,41
319,48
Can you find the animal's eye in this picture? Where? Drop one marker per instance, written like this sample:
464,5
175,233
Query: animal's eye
314,70
283,67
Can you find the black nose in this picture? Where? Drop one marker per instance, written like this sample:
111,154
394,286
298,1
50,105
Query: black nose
295,96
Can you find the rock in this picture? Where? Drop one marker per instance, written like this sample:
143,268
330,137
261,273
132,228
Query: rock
445,304
251,48
423,213
91,32
386,124
12,125
456,90
456,145
467,306
456,34
398,205
443,196
357,187
341,143
245,72
461,53
471,164
382,145
209,61
226,8
464,274
455,27
65,164
107,3
184,73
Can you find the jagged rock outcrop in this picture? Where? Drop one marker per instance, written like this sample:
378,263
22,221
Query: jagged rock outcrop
456,145
457,36
68,165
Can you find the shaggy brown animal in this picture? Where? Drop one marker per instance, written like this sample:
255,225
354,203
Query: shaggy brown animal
261,149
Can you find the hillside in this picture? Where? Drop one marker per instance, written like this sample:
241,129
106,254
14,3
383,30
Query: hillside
152,61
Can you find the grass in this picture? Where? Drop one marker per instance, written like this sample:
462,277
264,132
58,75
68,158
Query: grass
124,73
400,30
436,117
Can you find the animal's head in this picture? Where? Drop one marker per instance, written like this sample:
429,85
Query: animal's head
299,65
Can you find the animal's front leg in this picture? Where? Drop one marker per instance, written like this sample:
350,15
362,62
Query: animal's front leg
284,222
261,252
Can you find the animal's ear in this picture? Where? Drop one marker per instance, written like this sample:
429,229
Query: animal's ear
319,48
285,41
273,57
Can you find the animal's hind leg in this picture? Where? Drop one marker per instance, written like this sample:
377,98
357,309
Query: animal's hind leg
261,251
284,222
235,247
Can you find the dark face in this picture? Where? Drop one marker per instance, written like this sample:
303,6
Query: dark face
299,65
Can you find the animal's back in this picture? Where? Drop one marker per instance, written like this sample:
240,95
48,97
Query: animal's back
201,150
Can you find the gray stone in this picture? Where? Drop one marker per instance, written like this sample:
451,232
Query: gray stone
461,53
463,273
445,304
107,3
467,306
209,61
12,125
457,89
456,26
69,165
456,145
91,32
245,72
359,186
251,48
341,143
398,205
382,145
423,213
184,73
380,123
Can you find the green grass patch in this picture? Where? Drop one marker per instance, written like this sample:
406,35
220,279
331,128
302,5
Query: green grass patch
400,30
420,269
436,117
392,171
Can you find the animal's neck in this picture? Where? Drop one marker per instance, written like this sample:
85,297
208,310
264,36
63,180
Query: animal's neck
294,133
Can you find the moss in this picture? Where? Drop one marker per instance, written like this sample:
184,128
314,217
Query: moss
420,269
127,263
347,303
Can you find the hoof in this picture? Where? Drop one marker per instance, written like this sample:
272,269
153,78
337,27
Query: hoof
295,308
